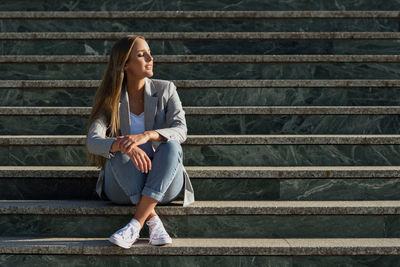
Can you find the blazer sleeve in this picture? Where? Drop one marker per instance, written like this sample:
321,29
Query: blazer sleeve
96,142
175,117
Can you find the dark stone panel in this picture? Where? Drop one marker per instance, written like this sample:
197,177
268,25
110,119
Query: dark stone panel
31,125
11,97
221,124
200,25
392,226
48,188
297,124
292,155
339,189
188,71
237,189
290,96
204,47
206,189
47,156
218,189
223,261
4,155
224,226
228,155
224,5
218,97
58,97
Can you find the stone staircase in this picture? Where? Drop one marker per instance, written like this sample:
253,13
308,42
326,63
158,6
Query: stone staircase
293,142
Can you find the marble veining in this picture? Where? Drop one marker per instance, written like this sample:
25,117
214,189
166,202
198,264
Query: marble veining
226,155
205,71
205,47
289,155
219,97
221,124
206,189
231,226
105,5
200,25
339,189
218,189
198,261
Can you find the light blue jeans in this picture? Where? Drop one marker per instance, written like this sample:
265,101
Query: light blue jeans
124,184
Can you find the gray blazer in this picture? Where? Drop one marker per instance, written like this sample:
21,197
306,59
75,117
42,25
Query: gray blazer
163,113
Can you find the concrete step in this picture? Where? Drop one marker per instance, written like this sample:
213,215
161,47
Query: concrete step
217,183
205,247
202,35
188,84
218,172
161,59
316,139
210,14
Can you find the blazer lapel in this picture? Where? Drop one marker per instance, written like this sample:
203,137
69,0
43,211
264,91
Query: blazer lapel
124,118
150,108
150,105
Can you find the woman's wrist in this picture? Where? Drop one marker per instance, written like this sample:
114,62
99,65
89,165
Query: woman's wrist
153,136
115,146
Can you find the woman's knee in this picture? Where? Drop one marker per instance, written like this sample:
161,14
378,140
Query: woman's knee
123,183
172,146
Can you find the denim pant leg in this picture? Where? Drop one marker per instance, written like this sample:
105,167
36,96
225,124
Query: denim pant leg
175,187
165,180
124,184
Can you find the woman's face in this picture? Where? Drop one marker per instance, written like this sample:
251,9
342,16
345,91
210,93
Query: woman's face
140,62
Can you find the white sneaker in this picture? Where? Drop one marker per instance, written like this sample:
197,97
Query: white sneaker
158,235
126,236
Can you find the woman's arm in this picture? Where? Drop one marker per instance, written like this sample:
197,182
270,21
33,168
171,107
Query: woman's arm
175,117
129,145
128,141
154,136
96,142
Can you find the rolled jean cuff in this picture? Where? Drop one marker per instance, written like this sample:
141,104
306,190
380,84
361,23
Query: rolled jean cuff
135,198
148,192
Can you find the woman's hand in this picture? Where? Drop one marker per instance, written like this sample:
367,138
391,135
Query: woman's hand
129,145
139,157
127,142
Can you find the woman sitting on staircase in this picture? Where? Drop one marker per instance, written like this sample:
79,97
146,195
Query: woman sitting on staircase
135,132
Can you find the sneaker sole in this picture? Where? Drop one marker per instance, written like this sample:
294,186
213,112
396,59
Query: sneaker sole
161,242
120,243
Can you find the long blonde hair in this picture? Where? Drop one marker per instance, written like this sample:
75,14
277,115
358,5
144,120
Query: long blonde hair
108,94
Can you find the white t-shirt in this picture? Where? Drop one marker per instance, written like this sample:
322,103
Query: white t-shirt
137,123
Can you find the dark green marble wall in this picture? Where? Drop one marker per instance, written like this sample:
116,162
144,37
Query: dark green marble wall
204,47
61,5
197,261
